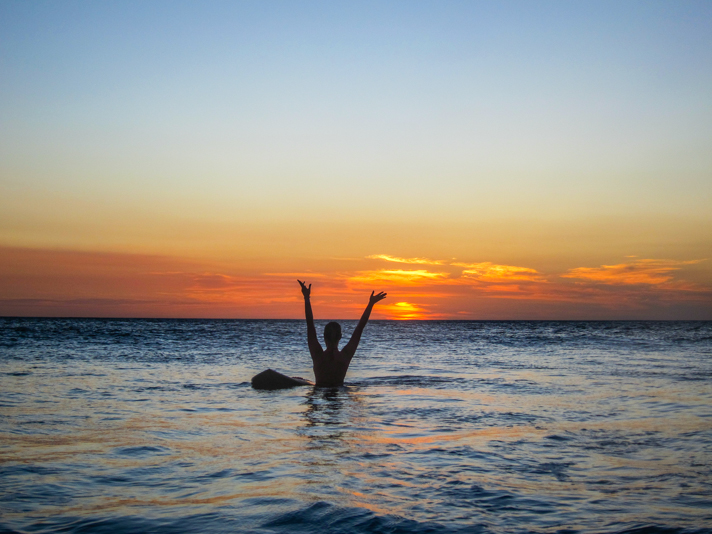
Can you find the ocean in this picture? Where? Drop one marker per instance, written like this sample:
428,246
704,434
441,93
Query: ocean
443,426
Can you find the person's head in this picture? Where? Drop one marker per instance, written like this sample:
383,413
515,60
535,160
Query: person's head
332,333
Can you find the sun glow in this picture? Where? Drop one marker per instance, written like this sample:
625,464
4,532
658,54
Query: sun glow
405,311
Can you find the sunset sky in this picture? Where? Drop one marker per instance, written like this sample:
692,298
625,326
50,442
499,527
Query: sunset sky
476,160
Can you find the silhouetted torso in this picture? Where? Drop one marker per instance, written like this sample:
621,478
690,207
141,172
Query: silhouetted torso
330,367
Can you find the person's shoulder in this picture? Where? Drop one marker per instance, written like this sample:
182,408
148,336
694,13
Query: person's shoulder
316,352
347,352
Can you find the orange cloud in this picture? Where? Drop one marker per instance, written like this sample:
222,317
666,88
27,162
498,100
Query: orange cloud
297,276
644,271
40,282
398,277
484,271
423,261
491,272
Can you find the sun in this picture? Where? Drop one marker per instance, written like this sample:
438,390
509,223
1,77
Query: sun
404,311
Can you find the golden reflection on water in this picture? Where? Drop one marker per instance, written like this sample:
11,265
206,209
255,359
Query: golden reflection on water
471,437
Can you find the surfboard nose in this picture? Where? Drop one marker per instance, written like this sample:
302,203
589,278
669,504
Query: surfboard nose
271,379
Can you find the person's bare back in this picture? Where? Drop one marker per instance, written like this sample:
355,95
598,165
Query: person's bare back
330,365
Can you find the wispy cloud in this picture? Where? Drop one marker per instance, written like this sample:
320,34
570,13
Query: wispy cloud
483,271
644,271
397,276
492,272
297,275
420,261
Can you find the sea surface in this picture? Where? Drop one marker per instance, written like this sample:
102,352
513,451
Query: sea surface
495,427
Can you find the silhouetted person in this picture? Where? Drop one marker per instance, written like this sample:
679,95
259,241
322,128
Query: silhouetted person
330,365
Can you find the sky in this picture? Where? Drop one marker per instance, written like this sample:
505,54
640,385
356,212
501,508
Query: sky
475,160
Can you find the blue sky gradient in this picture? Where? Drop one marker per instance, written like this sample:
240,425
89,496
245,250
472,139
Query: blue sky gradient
549,134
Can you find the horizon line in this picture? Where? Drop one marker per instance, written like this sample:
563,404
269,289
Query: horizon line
47,317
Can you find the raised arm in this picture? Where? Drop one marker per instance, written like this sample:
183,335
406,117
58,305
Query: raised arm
352,345
315,348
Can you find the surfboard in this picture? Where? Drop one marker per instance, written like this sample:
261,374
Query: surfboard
271,379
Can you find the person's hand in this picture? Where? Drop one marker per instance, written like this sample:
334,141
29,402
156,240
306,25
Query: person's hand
376,298
305,290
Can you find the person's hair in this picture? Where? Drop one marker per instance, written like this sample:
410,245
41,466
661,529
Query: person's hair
332,332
